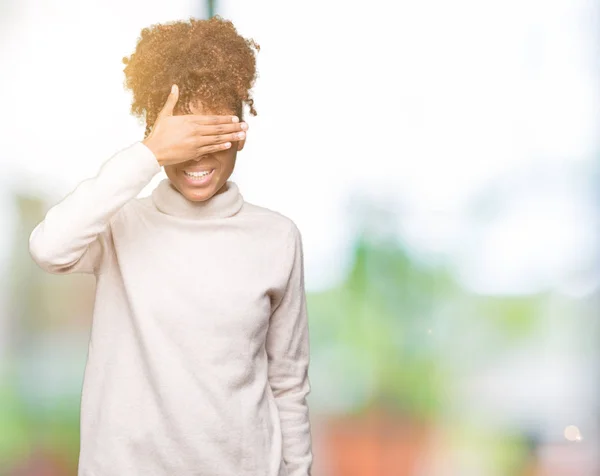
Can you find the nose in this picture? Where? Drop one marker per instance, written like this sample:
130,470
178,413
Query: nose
197,159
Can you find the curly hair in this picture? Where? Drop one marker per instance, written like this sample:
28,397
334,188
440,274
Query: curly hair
207,59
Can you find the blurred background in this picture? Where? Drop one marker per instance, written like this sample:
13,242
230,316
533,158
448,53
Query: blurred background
441,161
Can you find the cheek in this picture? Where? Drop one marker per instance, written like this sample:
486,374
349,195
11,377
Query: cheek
170,171
227,157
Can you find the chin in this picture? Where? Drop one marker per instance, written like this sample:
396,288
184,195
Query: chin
197,197
198,193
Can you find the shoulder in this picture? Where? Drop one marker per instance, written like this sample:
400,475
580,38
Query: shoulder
133,208
271,220
142,202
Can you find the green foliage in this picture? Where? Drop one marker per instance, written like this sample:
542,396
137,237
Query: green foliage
515,316
389,320
16,431
382,313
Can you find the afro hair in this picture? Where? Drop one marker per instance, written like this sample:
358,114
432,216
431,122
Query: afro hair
207,59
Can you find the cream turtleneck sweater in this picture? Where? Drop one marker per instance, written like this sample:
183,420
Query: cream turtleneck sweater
199,348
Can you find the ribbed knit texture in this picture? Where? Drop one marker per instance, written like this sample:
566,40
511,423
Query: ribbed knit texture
199,349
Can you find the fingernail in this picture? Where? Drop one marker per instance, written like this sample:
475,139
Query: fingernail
173,88
235,119
244,126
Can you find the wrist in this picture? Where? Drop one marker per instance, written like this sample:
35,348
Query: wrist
157,155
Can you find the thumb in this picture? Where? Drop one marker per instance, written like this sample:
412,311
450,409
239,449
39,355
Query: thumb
169,106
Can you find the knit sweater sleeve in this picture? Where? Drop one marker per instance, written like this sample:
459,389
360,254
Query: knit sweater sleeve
287,347
74,236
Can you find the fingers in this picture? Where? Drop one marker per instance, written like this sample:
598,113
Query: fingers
220,138
209,120
169,106
211,130
207,149
214,133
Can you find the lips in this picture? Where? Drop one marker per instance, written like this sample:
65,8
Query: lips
201,180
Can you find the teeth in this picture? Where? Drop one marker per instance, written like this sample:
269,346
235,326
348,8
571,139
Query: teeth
196,174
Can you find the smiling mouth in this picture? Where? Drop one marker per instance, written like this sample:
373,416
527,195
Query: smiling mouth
198,177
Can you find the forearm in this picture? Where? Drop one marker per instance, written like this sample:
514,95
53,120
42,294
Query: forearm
288,351
291,387
74,225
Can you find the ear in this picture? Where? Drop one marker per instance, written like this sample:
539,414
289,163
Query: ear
241,144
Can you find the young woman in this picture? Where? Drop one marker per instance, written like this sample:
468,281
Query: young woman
199,349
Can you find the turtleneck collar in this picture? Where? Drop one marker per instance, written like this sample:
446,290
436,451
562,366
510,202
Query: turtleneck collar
221,205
